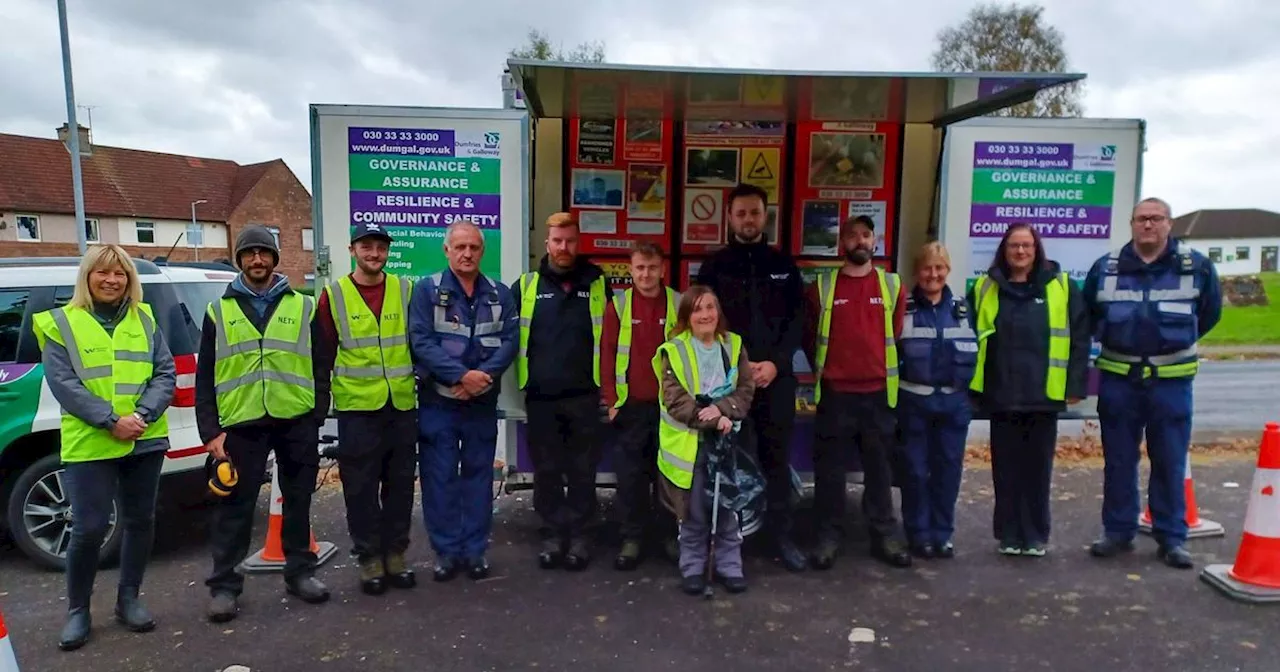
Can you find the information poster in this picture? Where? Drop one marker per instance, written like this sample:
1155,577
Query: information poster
415,182
619,163
735,132
847,163
1064,190
688,272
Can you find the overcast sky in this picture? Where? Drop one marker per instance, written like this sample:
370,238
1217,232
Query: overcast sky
233,78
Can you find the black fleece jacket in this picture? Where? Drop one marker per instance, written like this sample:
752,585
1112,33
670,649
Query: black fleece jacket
560,340
1018,353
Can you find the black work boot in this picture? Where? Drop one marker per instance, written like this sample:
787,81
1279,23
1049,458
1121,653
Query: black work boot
824,554
552,552
373,576
309,589
478,568
1107,547
579,555
693,584
1176,556
629,557
790,554
892,552
75,633
130,611
398,573
223,607
446,569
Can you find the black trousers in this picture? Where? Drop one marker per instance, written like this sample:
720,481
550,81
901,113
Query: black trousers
378,461
636,465
91,486
773,415
564,444
297,458
845,422
1022,450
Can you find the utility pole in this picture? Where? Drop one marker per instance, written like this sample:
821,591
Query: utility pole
73,127
195,235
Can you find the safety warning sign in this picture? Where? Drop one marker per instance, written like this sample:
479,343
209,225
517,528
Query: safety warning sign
703,216
762,90
760,166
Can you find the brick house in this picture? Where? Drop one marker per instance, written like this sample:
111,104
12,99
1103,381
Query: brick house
144,201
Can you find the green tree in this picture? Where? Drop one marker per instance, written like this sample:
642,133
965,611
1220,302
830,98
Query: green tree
539,48
1011,38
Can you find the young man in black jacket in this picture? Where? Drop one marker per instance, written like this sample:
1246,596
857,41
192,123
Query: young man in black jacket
246,408
563,308
761,294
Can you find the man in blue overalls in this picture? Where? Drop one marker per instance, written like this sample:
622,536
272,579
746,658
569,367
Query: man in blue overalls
462,330
1149,303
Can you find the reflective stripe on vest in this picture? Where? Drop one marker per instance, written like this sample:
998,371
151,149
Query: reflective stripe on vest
961,338
529,299
373,360
1179,364
889,284
622,362
677,442
259,374
986,297
115,368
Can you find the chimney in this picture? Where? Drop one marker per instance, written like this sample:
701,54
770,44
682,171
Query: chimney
86,145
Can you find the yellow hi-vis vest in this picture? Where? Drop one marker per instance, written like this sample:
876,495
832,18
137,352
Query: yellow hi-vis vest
986,298
373,361
529,298
889,284
114,368
677,442
259,374
623,361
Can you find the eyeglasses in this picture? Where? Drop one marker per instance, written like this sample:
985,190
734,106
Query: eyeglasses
1153,219
1021,246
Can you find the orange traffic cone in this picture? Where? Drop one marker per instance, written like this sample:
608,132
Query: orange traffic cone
271,557
1255,577
8,661
1197,527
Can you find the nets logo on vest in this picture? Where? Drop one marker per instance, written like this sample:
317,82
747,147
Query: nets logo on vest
287,320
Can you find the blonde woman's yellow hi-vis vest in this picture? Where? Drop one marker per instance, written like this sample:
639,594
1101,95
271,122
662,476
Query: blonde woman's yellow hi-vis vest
373,361
889,284
114,368
529,299
677,442
623,362
986,298
259,374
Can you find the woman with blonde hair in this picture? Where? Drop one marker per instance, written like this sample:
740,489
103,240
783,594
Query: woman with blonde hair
939,351
108,366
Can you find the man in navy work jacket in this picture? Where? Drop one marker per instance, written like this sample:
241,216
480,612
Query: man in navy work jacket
1149,302
462,329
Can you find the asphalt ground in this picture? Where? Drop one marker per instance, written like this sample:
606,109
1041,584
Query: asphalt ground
980,611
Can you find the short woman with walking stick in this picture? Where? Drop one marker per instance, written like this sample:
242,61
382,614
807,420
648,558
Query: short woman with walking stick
702,359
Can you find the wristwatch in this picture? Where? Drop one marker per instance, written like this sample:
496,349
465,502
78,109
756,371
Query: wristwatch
139,417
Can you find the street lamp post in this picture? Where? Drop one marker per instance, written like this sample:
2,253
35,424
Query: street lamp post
195,243
73,127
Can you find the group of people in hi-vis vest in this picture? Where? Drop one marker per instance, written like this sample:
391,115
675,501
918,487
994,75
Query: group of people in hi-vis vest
662,376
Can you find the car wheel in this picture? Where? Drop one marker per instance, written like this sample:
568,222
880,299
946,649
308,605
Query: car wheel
39,516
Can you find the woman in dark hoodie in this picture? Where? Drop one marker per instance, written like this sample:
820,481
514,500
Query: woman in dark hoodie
1033,359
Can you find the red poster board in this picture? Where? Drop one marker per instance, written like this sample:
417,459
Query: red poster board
620,154
735,131
847,158
688,271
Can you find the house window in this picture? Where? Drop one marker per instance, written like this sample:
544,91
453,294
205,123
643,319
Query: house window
308,240
146,233
309,278
1215,255
1242,253
275,233
91,230
28,227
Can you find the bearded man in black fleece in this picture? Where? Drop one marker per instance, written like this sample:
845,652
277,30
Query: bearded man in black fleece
762,295
562,309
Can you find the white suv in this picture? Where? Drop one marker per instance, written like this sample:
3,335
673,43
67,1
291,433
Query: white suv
33,504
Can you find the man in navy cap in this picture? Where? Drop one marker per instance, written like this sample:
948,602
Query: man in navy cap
364,322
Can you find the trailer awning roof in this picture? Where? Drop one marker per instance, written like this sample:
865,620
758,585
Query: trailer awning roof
547,89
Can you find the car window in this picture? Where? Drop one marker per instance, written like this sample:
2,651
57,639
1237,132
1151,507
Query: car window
196,297
13,308
181,331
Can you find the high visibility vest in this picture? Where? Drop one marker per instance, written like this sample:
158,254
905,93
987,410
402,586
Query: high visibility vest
114,368
258,374
677,442
529,299
623,361
1175,294
373,361
986,298
889,284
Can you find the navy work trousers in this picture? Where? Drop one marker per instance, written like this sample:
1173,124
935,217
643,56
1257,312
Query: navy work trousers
1160,408
934,430
458,442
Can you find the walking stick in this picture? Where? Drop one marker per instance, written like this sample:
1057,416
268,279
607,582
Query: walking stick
715,524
